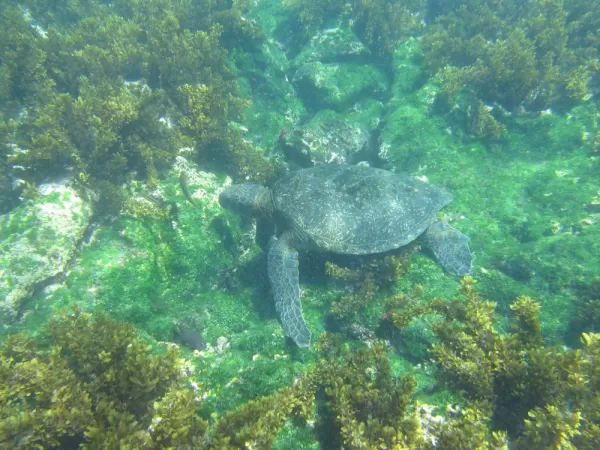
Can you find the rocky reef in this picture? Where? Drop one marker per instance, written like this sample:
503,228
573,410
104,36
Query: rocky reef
122,122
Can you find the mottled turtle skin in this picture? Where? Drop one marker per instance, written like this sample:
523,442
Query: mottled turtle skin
344,209
355,210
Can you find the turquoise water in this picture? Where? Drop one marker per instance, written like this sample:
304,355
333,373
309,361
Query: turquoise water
123,122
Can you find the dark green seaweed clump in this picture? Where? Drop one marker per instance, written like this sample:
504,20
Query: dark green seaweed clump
114,91
544,397
381,24
97,386
533,54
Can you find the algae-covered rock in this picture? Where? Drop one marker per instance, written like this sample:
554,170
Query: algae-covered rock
165,257
337,86
411,128
407,65
328,138
408,135
274,102
37,240
333,45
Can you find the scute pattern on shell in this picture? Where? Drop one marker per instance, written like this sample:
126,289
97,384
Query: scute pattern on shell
357,209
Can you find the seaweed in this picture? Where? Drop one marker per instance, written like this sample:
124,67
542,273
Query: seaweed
543,397
516,54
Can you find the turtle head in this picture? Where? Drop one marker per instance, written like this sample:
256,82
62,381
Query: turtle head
247,198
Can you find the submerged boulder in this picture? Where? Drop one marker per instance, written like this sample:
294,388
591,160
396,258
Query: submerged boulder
37,241
328,138
337,85
338,44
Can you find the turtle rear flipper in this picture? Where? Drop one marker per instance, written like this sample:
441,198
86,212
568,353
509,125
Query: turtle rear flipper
282,265
450,247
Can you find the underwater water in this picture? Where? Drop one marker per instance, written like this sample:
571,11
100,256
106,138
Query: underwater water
313,224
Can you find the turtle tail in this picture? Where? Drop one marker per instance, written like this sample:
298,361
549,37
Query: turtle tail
284,277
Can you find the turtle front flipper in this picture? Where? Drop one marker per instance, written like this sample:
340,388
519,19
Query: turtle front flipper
282,265
450,247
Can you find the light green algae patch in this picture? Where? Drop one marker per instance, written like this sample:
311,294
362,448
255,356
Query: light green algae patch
338,85
525,198
527,195
407,64
152,261
332,44
162,270
37,241
274,103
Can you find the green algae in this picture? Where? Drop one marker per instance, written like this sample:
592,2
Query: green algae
527,212
525,197
338,86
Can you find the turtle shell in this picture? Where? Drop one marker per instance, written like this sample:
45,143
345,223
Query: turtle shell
356,209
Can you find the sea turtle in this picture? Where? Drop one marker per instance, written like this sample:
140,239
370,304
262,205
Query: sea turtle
345,209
